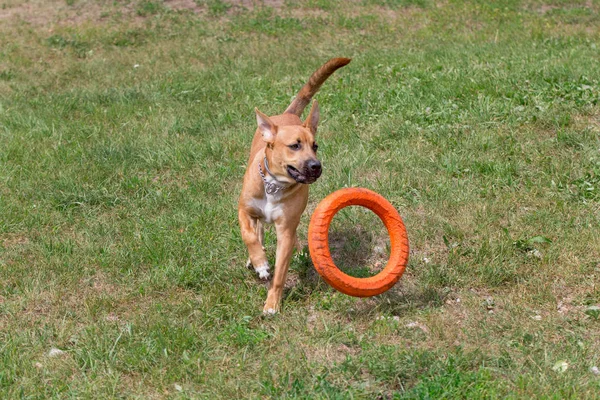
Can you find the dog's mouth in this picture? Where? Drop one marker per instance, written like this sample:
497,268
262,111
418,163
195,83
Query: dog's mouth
303,177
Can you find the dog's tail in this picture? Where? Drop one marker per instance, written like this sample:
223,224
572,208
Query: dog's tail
314,83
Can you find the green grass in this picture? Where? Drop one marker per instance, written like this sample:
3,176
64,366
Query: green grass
124,132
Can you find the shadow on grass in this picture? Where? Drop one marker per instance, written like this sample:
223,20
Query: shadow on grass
410,295
352,252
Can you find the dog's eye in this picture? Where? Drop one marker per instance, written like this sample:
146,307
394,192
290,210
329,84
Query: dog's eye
295,146
315,147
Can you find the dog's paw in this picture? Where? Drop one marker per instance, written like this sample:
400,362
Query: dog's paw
263,271
272,305
269,311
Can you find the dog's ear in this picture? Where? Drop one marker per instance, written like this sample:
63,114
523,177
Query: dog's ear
266,127
313,118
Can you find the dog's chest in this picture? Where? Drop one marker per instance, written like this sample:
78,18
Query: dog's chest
269,208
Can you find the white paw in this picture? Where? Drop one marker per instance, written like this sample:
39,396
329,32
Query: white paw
269,311
263,271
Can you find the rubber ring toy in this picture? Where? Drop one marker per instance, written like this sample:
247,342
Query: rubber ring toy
318,242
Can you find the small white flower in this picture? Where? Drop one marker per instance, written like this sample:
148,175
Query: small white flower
179,388
426,260
536,253
54,352
560,366
417,325
136,65
595,370
112,317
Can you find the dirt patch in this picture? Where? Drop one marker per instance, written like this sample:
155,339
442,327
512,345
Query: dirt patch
169,178
570,299
431,250
13,239
185,5
546,8
43,13
335,353
589,121
234,5
292,280
253,3
389,13
50,14
40,307
99,283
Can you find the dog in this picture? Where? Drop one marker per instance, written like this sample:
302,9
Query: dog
283,162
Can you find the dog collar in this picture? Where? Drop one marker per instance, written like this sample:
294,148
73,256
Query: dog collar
270,187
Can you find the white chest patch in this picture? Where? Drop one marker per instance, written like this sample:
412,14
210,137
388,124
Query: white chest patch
270,208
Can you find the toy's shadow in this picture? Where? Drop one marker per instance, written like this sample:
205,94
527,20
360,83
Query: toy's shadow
356,252
351,251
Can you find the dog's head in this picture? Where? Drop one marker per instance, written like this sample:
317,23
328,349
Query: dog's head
291,149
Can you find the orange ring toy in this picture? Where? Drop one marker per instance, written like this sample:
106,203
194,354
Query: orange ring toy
318,242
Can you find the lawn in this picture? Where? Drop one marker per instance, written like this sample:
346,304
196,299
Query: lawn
125,127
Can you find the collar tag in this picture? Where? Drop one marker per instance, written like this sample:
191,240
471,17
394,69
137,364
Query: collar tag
270,187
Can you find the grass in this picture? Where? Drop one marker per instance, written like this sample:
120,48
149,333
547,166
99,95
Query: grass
124,131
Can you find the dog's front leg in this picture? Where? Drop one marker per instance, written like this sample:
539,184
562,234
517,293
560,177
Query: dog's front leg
259,228
251,236
286,241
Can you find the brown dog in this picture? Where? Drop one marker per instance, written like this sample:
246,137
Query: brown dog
282,163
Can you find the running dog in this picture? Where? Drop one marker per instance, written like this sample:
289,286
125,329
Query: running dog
283,162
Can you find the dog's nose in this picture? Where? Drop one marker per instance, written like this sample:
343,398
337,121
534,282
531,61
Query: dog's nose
314,166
